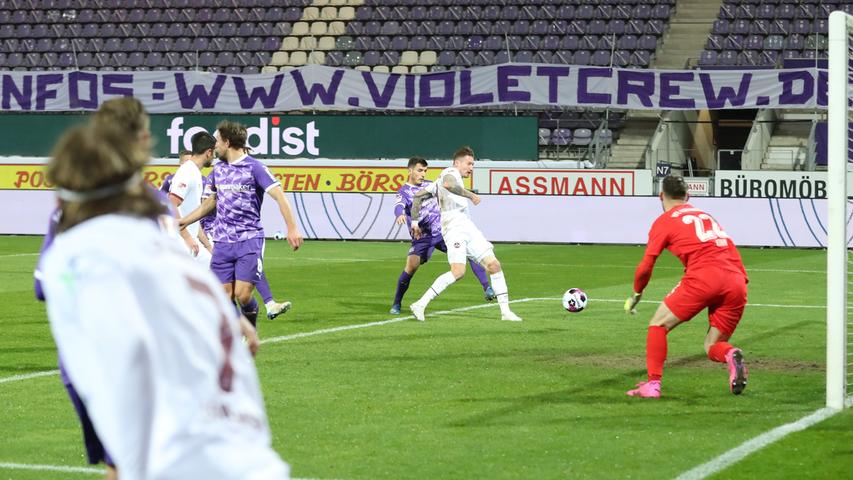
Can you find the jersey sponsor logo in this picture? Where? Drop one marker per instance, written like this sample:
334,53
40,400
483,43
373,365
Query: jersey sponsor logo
235,187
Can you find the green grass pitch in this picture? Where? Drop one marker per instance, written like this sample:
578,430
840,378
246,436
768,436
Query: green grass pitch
465,395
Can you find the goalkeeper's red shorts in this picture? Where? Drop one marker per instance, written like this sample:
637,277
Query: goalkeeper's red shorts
722,292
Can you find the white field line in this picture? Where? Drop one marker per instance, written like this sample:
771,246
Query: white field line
751,446
27,376
284,338
50,468
342,328
18,255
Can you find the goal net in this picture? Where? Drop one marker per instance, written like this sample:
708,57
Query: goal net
840,141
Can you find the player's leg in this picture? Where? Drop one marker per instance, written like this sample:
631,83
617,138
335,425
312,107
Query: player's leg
656,347
456,248
95,451
420,248
247,272
222,264
483,278
680,305
496,275
482,251
723,320
274,308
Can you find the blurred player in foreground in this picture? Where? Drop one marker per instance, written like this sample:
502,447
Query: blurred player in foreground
170,388
714,278
464,240
430,225
128,115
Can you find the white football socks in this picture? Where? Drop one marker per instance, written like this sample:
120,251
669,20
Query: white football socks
501,290
443,281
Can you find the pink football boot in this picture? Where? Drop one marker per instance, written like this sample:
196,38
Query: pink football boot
650,389
737,371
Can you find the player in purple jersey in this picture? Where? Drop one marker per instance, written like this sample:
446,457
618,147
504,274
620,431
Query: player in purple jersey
238,186
274,308
430,223
167,182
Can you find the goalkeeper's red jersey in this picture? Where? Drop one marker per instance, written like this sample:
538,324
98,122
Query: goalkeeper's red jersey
694,237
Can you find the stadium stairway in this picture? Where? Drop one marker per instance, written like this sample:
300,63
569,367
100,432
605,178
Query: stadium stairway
788,144
688,31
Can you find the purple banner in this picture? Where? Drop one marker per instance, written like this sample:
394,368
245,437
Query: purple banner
319,87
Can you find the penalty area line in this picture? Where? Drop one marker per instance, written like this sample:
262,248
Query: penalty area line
749,447
27,376
356,326
50,468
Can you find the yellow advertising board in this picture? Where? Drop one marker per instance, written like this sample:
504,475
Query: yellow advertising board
293,179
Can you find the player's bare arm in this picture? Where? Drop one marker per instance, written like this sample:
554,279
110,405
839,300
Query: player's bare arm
202,238
452,185
420,197
294,238
185,235
202,211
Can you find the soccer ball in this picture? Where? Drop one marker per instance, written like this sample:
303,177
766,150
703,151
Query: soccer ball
279,235
574,300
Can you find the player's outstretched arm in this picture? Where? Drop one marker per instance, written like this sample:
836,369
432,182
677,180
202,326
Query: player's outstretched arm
202,211
294,238
453,186
641,278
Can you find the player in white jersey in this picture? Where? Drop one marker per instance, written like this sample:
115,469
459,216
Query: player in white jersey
169,386
464,240
187,189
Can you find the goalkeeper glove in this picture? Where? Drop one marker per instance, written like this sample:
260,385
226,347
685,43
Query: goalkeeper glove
631,303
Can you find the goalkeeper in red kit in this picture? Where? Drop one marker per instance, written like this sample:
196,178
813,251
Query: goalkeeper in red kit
714,278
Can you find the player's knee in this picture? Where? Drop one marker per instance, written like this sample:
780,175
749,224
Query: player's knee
493,266
243,296
458,271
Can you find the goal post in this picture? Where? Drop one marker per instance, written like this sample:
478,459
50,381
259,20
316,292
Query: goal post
838,210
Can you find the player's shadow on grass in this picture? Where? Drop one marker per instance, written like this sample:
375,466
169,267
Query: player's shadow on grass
619,382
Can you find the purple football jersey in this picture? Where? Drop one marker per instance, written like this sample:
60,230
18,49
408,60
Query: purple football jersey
207,222
48,241
240,188
430,220
167,183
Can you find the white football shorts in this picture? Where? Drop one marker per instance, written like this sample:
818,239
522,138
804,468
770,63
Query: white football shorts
465,243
